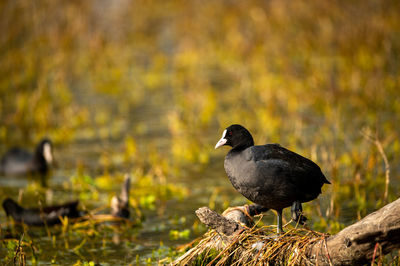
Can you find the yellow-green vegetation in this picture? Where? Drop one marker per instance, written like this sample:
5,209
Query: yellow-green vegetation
146,87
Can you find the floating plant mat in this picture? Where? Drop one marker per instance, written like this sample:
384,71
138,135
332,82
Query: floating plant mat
252,246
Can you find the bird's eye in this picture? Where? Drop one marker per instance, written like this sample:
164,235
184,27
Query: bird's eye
230,133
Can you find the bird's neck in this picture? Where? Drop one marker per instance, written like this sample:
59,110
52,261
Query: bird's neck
243,145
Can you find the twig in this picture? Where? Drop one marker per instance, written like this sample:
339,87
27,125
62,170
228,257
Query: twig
375,140
19,252
327,251
373,256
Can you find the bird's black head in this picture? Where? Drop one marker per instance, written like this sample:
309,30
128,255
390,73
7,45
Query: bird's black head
45,150
237,137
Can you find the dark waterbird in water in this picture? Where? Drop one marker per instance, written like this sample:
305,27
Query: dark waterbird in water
120,205
18,161
41,216
50,215
270,175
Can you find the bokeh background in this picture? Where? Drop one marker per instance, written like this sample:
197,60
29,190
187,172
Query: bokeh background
147,87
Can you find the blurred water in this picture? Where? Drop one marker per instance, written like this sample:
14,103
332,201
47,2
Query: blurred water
124,245
144,240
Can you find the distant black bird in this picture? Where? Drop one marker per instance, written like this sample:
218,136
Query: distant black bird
39,217
21,162
50,215
270,175
120,205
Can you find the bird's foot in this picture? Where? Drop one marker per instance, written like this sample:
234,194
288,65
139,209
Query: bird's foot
299,218
297,213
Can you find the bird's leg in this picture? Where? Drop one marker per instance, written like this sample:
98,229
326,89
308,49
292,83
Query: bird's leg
297,213
296,210
279,229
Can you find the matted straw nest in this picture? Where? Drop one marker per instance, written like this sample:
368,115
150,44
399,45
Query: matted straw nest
252,246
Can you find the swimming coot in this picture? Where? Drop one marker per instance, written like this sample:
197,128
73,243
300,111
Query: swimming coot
50,215
20,162
270,175
39,217
120,205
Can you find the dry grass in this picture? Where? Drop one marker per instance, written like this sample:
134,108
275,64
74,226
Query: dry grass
253,246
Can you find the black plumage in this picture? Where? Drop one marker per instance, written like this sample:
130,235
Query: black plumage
50,215
270,175
18,161
41,216
120,205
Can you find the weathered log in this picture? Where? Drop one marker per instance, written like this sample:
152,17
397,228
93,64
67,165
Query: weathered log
231,220
354,245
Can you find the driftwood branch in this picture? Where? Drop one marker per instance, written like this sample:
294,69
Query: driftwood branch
218,222
356,243
231,220
376,234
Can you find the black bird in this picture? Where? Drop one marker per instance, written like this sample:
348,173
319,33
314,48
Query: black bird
21,162
39,217
270,175
50,215
120,205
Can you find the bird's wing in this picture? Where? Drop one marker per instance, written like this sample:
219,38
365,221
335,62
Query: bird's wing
303,173
17,154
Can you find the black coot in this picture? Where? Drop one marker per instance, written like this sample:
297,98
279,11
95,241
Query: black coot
21,162
120,205
39,217
50,215
270,175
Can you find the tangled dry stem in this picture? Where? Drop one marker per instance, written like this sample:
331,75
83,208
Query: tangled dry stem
252,246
